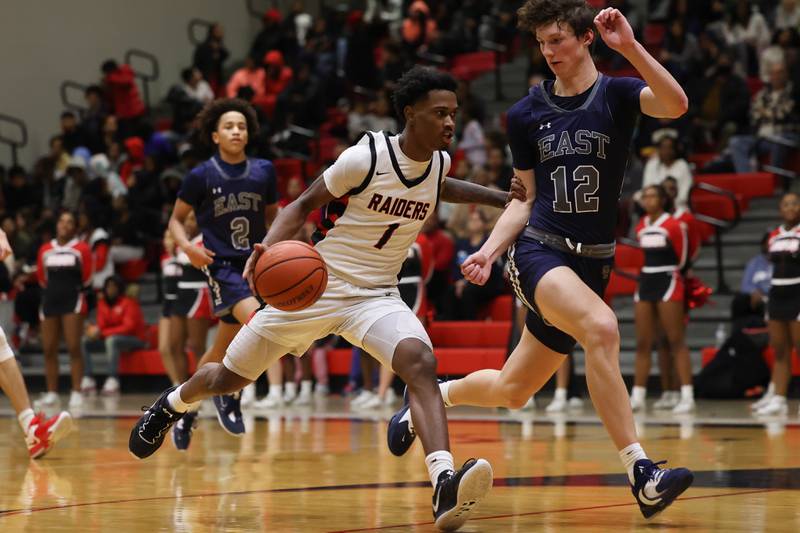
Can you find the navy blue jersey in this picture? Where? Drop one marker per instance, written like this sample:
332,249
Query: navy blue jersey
229,202
578,149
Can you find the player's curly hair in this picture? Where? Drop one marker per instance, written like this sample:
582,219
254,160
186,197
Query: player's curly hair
211,113
415,85
537,13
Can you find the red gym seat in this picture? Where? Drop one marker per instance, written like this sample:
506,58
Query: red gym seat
747,184
467,67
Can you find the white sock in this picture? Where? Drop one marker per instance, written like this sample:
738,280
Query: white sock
770,389
25,418
687,393
276,391
305,387
561,394
438,462
176,402
638,394
290,388
629,455
444,388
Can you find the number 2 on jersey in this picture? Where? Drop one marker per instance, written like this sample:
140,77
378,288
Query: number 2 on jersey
587,179
240,233
386,235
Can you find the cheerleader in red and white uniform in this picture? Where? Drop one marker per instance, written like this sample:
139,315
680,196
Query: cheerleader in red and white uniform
783,304
670,395
660,295
64,271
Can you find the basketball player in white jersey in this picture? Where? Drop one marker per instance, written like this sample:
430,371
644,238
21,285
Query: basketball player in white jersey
379,193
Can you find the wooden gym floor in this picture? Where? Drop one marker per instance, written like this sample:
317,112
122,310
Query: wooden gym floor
324,468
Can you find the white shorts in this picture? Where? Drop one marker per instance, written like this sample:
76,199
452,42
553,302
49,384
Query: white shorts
344,309
5,349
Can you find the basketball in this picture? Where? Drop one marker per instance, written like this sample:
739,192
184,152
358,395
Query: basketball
290,275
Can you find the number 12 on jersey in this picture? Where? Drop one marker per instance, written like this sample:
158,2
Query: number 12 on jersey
587,182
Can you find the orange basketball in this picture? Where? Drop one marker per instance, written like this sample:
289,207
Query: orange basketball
290,275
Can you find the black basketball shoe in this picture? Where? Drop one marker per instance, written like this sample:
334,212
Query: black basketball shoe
458,493
229,413
656,488
182,432
149,431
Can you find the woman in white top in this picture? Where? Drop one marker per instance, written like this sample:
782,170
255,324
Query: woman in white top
665,162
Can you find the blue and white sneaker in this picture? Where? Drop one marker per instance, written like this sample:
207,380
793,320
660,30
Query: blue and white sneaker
656,488
400,434
457,493
229,413
149,431
183,429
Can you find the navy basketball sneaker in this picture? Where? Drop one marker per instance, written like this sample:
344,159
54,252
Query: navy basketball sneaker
149,431
400,435
229,413
656,488
182,432
457,493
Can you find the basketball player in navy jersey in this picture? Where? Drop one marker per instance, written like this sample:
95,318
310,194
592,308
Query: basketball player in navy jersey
570,139
381,190
234,199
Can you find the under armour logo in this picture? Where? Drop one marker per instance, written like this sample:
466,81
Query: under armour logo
216,190
543,126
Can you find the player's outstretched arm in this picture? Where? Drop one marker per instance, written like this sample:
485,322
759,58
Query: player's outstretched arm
5,247
478,266
663,97
463,192
199,256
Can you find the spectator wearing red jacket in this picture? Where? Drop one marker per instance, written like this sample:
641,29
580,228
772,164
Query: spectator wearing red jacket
120,328
277,79
122,93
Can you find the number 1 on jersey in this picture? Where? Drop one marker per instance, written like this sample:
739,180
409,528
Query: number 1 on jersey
386,235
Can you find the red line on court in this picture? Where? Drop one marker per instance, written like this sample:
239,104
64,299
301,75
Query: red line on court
552,511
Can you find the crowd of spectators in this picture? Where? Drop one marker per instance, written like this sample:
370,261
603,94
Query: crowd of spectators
119,165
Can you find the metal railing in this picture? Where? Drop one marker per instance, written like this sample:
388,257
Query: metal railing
720,226
499,50
787,174
69,87
14,143
150,75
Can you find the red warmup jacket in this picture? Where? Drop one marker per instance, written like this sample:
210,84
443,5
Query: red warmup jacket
123,93
122,318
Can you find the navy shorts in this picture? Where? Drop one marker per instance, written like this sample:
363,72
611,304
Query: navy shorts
528,261
227,287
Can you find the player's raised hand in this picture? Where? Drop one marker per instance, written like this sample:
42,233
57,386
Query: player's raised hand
614,29
476,268
250,265
199,256
517,191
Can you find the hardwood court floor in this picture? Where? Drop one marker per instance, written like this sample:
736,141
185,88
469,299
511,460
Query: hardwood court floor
326,469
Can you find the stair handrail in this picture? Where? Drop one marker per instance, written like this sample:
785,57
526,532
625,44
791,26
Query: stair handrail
146,77
14,144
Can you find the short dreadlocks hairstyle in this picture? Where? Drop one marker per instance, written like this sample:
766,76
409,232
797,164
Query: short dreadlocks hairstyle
415,85
577,14
213,111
